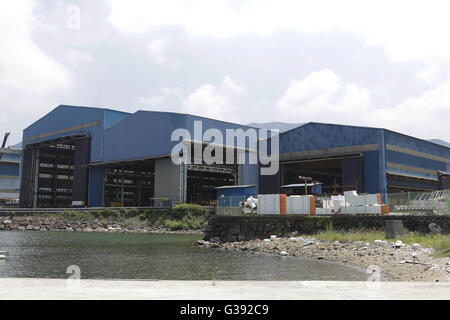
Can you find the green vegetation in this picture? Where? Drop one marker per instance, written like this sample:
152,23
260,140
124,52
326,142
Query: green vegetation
439,242
181,217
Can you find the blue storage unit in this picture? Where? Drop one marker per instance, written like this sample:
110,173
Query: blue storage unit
231,196
236,191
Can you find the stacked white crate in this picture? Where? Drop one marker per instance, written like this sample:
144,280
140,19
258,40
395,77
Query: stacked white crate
298,204
268,204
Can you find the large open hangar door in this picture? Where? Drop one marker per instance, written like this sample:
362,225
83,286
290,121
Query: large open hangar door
202,181
53,175
203,178
129,184
344,171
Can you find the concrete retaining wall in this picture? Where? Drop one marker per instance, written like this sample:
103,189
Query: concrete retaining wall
248,228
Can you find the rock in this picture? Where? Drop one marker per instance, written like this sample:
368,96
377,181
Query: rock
266,240
434,228
273,237
399,244
30,227
283,253
394,228
214,240
414,255
7,222
308,242
88,229
336,243
69,229
416,246
200,243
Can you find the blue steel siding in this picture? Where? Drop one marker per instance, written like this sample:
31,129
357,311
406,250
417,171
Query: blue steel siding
371,164
410,160
96,178
312,136
408,184
112,117
216,124
10,157
148,134
411,143
143,134
65,117
237,192
7,169
404,141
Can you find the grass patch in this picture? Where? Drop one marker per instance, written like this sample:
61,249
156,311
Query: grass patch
439,242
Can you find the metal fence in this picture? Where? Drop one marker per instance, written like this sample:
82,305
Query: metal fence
419,203
230,206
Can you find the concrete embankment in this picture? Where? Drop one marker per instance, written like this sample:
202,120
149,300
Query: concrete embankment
58,289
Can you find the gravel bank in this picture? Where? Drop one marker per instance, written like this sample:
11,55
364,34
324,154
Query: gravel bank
395,260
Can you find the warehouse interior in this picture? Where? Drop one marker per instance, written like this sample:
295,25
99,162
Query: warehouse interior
345,171
52,174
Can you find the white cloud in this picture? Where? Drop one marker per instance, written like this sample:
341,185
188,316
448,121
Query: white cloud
153,101
171,91
409,30
157,49
76,57
222,102
23,65
160,99
324,97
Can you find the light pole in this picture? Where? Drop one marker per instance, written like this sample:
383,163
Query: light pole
306,179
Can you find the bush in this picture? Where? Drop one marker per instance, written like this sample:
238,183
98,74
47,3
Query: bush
108,213
131,213
192,210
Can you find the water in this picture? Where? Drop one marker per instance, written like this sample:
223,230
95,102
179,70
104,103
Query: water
150,256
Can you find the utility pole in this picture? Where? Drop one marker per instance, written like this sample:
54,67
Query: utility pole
306,179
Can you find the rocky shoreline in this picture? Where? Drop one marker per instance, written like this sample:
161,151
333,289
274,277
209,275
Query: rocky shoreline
394,260
53,223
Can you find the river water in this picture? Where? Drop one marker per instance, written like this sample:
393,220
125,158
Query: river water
150,256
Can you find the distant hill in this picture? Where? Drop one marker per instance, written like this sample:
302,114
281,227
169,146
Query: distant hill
441,142
281,126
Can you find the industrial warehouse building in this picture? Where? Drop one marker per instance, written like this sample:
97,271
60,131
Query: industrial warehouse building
371,160
80,156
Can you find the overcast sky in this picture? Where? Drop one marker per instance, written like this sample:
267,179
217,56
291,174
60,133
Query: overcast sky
378,63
